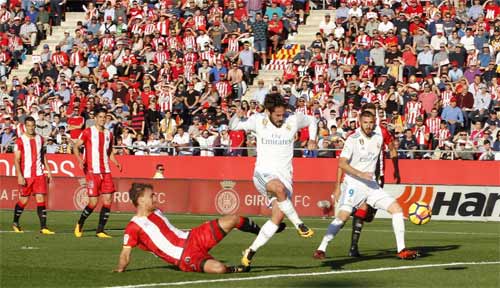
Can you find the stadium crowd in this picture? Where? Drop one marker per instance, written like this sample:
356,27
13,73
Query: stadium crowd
171,74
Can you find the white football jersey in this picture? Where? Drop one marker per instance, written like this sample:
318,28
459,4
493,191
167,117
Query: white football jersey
275,145
362,152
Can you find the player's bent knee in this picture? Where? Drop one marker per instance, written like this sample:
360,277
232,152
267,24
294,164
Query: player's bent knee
214,267
395,208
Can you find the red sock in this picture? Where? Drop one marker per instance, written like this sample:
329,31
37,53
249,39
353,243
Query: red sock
360,213
240,224
39,204
106,206
20,204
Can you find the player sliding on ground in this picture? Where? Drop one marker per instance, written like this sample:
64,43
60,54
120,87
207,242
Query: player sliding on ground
275,132
358,161
150,230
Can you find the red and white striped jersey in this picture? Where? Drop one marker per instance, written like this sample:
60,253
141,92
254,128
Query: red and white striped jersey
5,17
189,70
74,59
31,99
199,20
303,109
162,27
190,41
224,88
446,97
37,88
55,104
157,41
190,57
149,29
31,155
165,101
137,29
207,55
98,146
160,57
333,56
433,124
320,70
59,59
156,234
363,40
420,133
233,45
4,57
173,42
443,135
107,42
412,111
107,57
348,60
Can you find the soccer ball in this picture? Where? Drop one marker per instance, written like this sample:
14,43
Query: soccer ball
419,213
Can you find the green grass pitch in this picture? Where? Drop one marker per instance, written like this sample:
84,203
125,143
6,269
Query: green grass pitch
61,260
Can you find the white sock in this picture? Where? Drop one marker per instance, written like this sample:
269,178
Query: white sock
332,230
266,232
287,208
398,225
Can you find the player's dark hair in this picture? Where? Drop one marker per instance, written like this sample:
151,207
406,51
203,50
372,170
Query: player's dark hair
101,110
30,119
367,114
368,106
273,101
137,190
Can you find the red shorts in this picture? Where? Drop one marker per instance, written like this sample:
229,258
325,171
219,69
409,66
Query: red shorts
34,185
201,240
98,184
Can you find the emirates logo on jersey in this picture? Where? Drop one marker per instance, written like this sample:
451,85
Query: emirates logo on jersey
227,200
80,198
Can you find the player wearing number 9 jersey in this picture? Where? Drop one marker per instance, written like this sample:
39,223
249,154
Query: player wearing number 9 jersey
358,161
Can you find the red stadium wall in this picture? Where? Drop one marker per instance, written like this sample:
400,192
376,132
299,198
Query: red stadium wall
207,185
309,170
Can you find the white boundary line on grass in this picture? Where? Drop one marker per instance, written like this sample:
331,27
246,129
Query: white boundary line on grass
273,276
345,229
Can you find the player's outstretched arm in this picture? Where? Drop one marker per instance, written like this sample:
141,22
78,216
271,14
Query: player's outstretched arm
310,122
124,259
237,122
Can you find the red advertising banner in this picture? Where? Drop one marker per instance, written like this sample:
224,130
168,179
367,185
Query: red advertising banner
422,172
176,196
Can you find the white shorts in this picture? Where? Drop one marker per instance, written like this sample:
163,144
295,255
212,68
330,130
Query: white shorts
260,179
354,193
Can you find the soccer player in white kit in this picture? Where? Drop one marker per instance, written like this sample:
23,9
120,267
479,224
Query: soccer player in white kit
275,133
358,160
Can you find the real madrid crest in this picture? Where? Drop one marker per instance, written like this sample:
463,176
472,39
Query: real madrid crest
288,127
264,121
361,141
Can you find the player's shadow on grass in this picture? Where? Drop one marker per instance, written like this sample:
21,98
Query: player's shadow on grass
424,251
169,267
279,267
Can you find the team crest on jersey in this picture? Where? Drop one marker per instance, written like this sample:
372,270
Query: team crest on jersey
288,127
264,122
361,141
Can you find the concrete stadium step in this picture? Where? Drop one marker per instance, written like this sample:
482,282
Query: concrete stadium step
305,35
57,35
